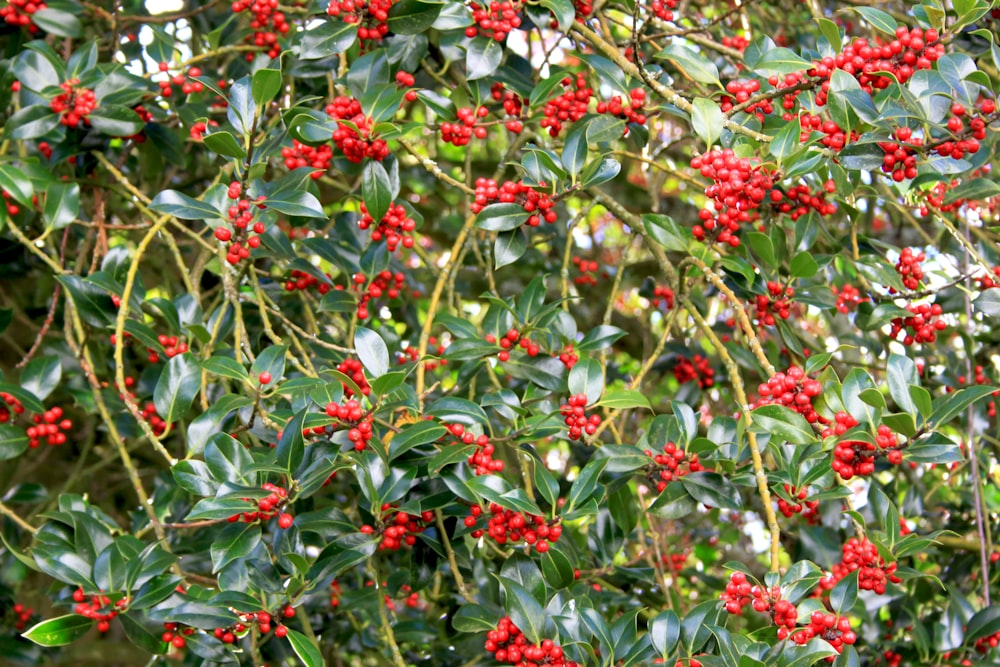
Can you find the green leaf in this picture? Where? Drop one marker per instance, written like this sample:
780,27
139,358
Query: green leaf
712,489
585,485
707,120
59,631
482,57
143,635
474,618
13,441
452,409
178,385
16,184
622,399
557,568
574,153
501,217
41,376
225,144
951,405
372,351
664,632
116,120
509,247
376,190
975,188
272,361
93,303
762,247
784,423
266,83
228,460
31,122
226,367
181,206
329,38
241,109
587,378
666,232
786,140
695,65
845,594
781,61
235,541
878,19
415,435
210,422
62,204
412,17
804,265
301,204
563,10
291,446
526,612
57,22
901,373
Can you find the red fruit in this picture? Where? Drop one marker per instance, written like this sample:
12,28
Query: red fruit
285,521
264,378
281,632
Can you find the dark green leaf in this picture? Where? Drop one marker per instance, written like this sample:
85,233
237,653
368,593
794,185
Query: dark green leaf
181,206
415,435
509,247
59,631
13,441
62,204
41,376
178,385
93,303
712,489
587,378
376,190
271,361
784,423
372,351
412,17
527,614
501,217
482,57
329,38
266,83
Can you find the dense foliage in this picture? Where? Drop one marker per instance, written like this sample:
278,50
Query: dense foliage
569,332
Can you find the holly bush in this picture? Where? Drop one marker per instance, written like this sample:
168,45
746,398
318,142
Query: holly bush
568,332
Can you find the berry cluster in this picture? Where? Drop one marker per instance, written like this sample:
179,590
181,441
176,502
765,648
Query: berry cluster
50,427
588,271
394,226
568,357
511,340
10,405
675,562
189,84
799,504
794,390
738,189
574,413
174,634
506,526
568,107
74,103
833,136
172,346
97,608
672,464
241,216
663,9
267,507
913,49
538,204
742,91
835,630
739,593
353,369
962,146
663,295
12,208
353,417
899,158
371,16
921,326
482,460
776,302
22,615
354,135
398,528
697,368
513,105
459,133
300,280
856,457
848,297
987,643
509,646
19,12
197,131
495,18
909,269
300,155
631,112
800,200
862,556
152,417
267,24
384,283
263,619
